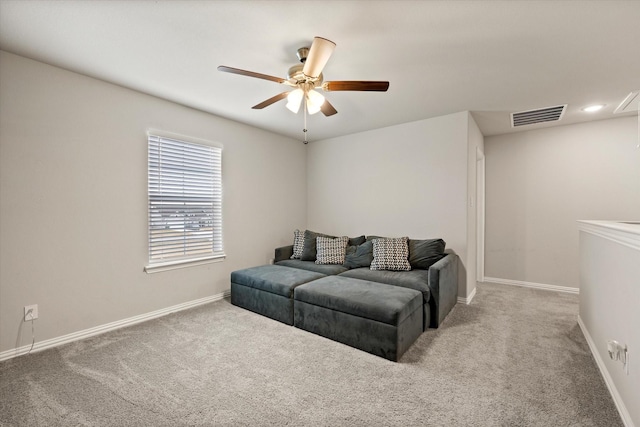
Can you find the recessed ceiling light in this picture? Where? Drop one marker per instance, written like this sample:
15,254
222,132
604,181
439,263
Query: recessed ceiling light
593,108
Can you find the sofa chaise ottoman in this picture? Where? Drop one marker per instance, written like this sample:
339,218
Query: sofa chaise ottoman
380,319
268,289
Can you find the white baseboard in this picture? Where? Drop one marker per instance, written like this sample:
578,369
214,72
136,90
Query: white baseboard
542,286
75,336
468,299
617,399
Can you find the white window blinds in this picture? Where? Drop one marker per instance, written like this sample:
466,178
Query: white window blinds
185,200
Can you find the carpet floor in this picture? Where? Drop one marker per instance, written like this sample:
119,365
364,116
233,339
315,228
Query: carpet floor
513,357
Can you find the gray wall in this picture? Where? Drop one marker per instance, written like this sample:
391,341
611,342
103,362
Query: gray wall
73,200
540,182
404,180
609,296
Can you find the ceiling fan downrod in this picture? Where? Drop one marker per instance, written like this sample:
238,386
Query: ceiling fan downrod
302,54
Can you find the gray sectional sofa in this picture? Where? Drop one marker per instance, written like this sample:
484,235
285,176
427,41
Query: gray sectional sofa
379,311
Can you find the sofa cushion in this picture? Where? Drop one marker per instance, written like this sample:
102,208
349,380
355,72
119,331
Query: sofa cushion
328,269
359,256
275,279
391,254
298,244
331,251
424,253
414,279
371,300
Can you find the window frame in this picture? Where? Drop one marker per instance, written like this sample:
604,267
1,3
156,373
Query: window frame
217,253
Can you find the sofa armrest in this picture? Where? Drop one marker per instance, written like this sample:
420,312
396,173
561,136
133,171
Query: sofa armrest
443,284
283,253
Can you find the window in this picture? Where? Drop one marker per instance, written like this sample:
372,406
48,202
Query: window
185,203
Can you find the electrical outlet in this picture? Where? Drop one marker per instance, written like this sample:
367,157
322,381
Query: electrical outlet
30,312
619,352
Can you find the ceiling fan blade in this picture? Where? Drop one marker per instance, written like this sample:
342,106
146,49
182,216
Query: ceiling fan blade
356,85
321,50
270,101
327,109
232,70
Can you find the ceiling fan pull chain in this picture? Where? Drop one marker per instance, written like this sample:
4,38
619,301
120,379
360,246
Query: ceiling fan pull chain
304,130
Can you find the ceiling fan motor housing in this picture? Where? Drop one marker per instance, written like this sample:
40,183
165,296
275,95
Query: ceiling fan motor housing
295,73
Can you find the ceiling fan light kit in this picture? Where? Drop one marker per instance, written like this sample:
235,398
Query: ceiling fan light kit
314,100
294,99
306,78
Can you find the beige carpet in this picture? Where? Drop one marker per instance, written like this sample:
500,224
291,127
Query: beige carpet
513,357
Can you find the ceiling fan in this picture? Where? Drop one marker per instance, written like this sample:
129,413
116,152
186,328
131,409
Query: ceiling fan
306,78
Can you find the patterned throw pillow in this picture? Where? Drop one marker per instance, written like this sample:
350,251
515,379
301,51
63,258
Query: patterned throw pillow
298,244
331,251
309,246
391,254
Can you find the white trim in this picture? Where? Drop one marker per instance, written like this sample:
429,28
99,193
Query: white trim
542,286
179,137
75,336
468,299
617,231
480,214
617,399
182,263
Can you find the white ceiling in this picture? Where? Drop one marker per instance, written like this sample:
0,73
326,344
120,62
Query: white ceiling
441,57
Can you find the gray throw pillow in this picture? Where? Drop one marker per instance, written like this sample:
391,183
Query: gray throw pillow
359,256
424,253
356,241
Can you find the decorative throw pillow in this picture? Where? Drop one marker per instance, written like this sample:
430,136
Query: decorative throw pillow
298,244
391,254
330,250
309,249
359,256
424,253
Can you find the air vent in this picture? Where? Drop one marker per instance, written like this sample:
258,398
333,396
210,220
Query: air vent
629,104
541,115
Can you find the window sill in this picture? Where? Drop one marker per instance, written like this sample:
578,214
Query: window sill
183,263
